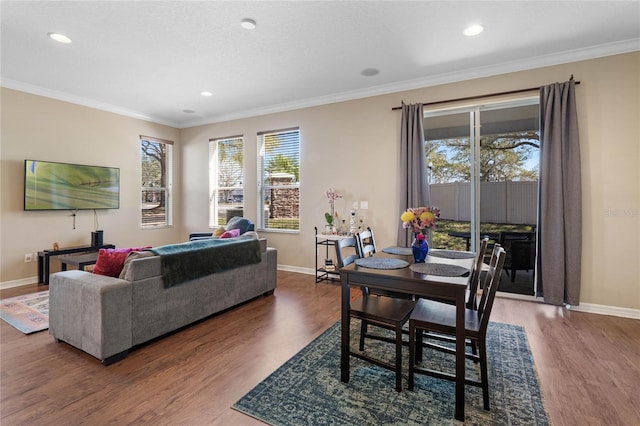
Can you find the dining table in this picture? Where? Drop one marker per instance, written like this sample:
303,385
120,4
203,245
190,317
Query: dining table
407,280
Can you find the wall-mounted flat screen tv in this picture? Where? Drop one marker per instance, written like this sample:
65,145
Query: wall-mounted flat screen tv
63,186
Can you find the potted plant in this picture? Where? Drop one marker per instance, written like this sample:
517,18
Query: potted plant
331,217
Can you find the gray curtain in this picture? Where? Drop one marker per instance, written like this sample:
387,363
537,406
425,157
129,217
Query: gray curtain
560,222
414,190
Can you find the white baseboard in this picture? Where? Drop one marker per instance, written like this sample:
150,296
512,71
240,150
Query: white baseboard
298,269
18,283
607,310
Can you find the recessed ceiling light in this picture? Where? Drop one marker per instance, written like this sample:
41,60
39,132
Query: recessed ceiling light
370,72
188,111
61,38
473,30
248,24
205,93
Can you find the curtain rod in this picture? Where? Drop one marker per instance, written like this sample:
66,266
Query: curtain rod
468,98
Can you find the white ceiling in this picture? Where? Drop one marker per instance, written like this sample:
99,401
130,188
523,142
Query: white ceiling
151,59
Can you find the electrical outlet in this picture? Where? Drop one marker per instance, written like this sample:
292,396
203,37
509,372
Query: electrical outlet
28,257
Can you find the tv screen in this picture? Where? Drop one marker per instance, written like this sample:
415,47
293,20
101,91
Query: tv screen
63,186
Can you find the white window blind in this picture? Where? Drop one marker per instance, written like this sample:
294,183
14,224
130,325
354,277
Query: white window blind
226,179
279,180
156,182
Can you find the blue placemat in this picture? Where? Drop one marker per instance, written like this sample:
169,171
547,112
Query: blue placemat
381,263
440,269
402,251
451,254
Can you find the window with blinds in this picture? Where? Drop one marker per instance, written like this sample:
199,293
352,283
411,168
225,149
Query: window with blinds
226,177
279,180
155,168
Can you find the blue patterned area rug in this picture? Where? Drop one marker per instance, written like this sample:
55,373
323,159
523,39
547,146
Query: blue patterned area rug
307,389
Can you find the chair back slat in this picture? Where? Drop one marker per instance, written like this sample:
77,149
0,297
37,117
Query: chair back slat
491,283
342,258
472,302
366,243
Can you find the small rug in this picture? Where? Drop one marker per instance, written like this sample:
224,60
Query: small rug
440,269
28,313
307,389
381,263
451,254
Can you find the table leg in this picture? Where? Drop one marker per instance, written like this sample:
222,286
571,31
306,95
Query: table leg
47,269
460,356
40,269
344,344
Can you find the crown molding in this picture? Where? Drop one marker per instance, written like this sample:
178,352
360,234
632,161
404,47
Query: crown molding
593,52
66,97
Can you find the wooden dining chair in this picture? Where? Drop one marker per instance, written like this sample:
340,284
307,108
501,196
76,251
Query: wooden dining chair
476,273
343,259
432,316
472,292
386,312
366,243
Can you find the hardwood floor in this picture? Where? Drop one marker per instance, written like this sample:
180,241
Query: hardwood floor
588,365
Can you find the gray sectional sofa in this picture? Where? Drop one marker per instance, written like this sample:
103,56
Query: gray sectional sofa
106,316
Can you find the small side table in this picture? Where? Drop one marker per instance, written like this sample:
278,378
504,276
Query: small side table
326,240
79,261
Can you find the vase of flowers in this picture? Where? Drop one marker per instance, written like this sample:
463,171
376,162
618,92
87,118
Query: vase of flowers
420,220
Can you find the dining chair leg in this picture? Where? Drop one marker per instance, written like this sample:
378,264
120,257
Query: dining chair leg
474,348
482,347
399,357
412,356
363,331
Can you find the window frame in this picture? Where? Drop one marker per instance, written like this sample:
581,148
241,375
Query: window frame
167,189
263,187
214,188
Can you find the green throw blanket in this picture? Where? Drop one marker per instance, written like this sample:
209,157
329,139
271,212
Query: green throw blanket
188,261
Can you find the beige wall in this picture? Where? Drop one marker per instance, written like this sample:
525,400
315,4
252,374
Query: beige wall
353,147
350,146
40,128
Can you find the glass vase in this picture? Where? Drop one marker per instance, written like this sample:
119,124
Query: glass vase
419,247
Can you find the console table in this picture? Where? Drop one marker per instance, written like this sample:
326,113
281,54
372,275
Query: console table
44,258
80,261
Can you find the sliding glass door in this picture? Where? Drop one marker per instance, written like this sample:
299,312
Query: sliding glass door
483,175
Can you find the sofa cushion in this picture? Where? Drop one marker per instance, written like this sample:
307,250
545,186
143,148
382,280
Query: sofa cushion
111,261
131,257
241,223
232,233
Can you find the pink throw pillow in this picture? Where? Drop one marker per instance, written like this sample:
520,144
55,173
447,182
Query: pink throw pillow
111,261
232,233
